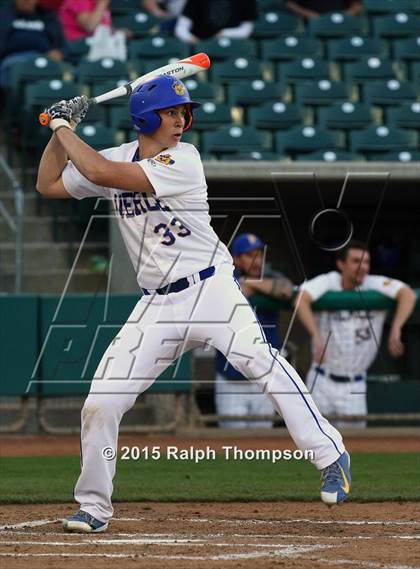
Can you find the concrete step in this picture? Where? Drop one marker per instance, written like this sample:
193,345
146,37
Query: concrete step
33,205
40,228
43,255
55,281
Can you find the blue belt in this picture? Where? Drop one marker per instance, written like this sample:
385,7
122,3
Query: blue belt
183,283
340,378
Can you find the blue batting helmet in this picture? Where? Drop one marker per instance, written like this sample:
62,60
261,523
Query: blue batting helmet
245,242
158,93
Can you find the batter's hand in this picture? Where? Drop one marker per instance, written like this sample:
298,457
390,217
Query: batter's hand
79,107
59,115
395,346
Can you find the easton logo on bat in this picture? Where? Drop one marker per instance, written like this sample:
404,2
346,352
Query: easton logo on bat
174,71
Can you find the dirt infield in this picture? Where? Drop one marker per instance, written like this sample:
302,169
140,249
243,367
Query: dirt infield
50,445
206,535
200,535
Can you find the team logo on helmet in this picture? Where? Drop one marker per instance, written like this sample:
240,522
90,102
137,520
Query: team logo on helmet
178,88
165,159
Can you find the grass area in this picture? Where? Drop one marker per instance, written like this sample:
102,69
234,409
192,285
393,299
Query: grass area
376,477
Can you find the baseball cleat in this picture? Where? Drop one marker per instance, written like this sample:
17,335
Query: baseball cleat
336,481
82,522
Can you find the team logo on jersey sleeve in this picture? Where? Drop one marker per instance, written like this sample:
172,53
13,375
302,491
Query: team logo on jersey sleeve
165,159
178,88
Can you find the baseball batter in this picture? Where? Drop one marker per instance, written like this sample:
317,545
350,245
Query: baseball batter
190,297
345,343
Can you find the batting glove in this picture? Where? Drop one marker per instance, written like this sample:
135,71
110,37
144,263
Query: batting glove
60,115
79,107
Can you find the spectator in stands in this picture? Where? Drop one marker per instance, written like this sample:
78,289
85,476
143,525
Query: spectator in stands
309,9
216,18
26,30
345,343
80,18
166,10
235,395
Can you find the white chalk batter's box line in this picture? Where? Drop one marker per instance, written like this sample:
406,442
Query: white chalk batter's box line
123,538
288,551
226,557
43,522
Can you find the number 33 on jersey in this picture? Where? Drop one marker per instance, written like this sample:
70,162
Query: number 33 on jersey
168,233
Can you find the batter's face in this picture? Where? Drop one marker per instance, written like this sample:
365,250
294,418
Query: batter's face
172,126
250,263
355,267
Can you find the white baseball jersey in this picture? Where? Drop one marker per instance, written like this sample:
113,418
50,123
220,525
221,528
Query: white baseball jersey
352,335
167,234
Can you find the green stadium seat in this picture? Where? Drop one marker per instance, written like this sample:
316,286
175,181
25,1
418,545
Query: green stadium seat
192,137
303,139
139,23
356,48
120,120
345,116
108,86
330,156
122,7
321,93
408,49
303,70
271,24
372,7
149,65
38,96
405,116
397,25
78,49
107,69
415,73
98,136
36,69
396,156
220,49
267,6
157,47
212,115
98,113
254,93
47,92
234,138
204,91
391,92
372,69
336,25
382,139
238,69
276,115
254,156
290,47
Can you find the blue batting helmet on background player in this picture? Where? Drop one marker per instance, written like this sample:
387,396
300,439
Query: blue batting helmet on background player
244,243
158,93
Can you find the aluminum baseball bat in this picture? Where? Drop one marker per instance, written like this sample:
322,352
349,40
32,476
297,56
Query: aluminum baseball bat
179,69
